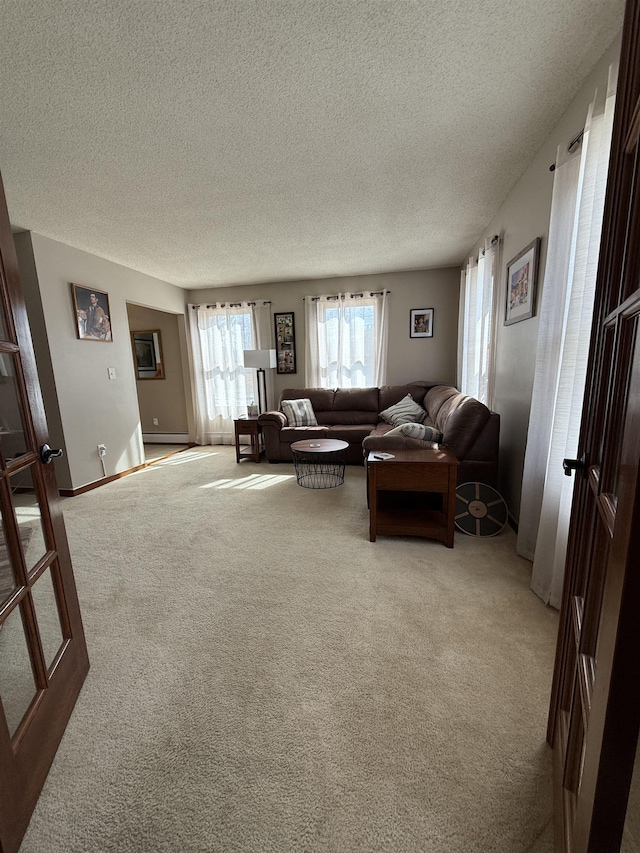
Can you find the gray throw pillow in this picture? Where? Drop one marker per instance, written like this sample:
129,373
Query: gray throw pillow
420,431
299,412
406,411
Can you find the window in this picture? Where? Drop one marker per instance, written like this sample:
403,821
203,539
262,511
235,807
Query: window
346,340
224,387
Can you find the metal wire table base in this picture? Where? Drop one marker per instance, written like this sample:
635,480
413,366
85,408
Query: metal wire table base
319,470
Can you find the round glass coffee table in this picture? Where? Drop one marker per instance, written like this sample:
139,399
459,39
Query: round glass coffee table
320,464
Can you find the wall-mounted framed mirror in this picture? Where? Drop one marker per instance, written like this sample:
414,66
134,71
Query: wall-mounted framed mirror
147,354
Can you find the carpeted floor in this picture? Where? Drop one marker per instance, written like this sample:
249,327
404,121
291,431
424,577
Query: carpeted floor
266,679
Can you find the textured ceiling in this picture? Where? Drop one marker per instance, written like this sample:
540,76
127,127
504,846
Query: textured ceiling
214,143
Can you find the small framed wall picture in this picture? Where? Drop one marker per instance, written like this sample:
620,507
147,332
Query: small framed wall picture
147,354
421,323
92,313
285,332
522,280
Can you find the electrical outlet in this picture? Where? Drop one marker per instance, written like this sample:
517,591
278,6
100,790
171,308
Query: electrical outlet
102,450
155,422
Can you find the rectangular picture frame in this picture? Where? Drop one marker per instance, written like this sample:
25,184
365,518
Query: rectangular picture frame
147,354
92,313
285,338
521,284
421,323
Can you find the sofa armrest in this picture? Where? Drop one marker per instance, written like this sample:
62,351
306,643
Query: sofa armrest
272,419
272,424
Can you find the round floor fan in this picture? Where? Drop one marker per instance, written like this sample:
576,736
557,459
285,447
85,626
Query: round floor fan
480,510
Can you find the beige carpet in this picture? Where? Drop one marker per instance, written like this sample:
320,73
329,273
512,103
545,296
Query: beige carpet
266,679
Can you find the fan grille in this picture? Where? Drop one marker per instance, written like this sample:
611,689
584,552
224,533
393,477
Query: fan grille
480,510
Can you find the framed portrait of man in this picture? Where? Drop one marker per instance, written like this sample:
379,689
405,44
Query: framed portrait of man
92,313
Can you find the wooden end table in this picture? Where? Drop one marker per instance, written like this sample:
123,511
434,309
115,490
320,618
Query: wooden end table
413,494
248,426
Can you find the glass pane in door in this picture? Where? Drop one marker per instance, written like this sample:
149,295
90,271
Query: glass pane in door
12,432
17,684
47,615
7,579
3,325
28,516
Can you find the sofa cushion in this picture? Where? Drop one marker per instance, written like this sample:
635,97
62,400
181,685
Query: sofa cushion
436,397
352,418
404,412
356,400
321,398
299,412
419,431
290,434
353,433
459,418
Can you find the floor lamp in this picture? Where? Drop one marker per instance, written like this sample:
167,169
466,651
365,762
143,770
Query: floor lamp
260,359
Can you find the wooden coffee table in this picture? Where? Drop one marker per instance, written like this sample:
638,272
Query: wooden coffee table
413,494
320,462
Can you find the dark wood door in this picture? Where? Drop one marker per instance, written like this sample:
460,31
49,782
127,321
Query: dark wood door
43,655
595,705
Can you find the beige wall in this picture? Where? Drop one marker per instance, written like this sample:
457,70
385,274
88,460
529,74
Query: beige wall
408,358
163,399
92,408
31,292
523,217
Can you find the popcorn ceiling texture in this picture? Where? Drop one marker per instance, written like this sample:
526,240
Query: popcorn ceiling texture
215,143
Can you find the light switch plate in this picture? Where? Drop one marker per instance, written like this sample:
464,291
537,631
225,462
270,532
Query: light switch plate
112,372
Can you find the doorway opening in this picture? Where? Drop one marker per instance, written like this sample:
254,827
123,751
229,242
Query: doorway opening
158,360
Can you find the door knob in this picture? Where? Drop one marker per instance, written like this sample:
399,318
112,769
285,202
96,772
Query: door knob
570,465
47,454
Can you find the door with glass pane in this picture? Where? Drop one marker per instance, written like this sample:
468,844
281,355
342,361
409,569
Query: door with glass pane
595,709
43,656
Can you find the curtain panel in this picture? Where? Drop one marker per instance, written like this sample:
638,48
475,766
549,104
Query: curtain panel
566,312
346,340
478,318
223,386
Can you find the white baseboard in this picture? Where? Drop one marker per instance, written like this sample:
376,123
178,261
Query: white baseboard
165,438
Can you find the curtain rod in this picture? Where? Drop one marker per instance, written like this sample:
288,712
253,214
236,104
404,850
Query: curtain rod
577,139
494,240
229,304
351,295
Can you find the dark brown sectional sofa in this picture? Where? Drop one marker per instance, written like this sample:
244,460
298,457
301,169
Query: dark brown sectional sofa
469,429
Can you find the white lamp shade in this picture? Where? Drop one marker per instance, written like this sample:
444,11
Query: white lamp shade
260,358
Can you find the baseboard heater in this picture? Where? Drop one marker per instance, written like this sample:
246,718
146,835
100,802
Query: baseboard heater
165,438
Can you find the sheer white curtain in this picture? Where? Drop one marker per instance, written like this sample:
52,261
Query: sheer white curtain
563,345
478,325
223,386
346,344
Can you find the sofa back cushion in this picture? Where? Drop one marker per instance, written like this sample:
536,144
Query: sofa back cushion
459,418
354,407
356,400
